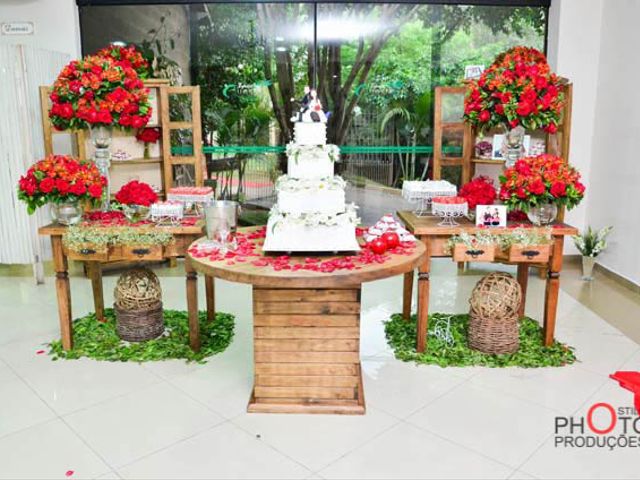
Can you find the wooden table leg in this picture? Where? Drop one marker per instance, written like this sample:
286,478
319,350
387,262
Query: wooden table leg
523,280
423,297
95,273
211,298
552,290
63,292
192,305
407,294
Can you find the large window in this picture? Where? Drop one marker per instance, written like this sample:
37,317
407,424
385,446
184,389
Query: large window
375,66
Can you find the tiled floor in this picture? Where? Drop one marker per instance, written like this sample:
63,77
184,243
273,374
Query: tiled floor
86,419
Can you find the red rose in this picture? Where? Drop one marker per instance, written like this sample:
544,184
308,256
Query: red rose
65,110
514,123
521,193
62,186
78,188
138,122
47,184
499,109
558,189
95,191
104,116
522,167
537,187
524,108
484,116
580,188
552,128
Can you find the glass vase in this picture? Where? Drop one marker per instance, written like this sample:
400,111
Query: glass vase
136,213
67,212
101,136
513,147
542,214
587,267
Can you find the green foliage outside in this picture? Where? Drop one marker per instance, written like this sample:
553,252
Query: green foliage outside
401,336
100,341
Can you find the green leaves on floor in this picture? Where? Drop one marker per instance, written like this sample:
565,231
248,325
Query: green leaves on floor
100,341
401,337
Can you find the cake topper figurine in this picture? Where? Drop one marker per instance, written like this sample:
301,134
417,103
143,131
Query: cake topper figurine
310,108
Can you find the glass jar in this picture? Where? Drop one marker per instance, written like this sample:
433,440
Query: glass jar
542,214
136,213
513,147
67,212
101,136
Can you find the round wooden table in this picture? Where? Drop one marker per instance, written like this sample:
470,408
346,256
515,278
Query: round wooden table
306,328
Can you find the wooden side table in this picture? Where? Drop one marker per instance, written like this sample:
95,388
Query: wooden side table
306,330
435,237
183,235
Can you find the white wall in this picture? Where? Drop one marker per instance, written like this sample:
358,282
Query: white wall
574,50
56,24
615,169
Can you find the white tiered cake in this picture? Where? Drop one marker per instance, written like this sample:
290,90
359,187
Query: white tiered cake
311,214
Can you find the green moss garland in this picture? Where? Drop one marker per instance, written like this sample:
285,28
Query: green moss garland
401,336
100,341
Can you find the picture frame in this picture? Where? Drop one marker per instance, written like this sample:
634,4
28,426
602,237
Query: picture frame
498,142
491,216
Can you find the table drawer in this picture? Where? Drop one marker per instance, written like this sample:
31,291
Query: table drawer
89,254
142,252
529,253
481,253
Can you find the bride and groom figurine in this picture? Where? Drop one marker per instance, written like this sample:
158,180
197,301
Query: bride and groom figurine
310,108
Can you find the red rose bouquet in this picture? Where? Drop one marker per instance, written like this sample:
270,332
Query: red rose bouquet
98,90
148,135
59,178
517,89
538,180
136,193
127,57
479,191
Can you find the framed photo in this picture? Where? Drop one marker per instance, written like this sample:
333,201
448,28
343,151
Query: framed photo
473,71
498,141
491,216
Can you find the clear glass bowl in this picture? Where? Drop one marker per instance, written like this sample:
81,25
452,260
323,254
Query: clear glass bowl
542,214
136,213
66,213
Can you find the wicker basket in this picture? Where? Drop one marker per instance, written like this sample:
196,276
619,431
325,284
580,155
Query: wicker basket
493,317
139,325
138,305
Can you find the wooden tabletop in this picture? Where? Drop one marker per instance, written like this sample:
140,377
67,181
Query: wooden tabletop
57,229
428,225
266,276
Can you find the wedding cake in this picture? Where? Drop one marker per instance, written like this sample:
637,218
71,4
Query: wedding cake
311,214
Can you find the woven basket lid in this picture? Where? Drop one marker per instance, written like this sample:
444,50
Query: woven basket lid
137,289
496,295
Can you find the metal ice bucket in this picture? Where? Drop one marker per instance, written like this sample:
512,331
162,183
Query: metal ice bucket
221,218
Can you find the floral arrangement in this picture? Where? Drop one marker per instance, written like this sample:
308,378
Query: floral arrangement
286,183
470,240
98,91
479,191
100,238
59,178
538,180
148,135
312,152
592,242
517,89
127,57
136,193
518,236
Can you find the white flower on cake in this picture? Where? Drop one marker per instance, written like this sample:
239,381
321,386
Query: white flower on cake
313,152
286,183
348,217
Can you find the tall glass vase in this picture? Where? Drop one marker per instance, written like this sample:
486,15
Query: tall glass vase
513,148
101,137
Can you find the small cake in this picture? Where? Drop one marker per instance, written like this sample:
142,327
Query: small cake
169,210
190,194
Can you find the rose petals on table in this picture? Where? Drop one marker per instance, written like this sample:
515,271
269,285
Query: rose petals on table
69,473
40,352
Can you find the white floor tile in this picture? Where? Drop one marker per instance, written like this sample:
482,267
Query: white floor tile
6,374
496,424
414,385
131,426
223,452
48,450
520,475
316,440
562,389
410,453
69,385
21,408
